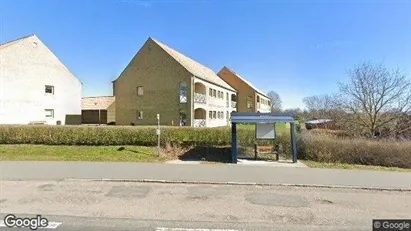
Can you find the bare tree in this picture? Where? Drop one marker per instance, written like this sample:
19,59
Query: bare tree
377,99
319,102
276,102
322,106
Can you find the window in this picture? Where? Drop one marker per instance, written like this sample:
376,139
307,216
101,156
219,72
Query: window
139,115
210,92
210,114
249,104
214,93
140,90
49,113
214,115
183,92
49,89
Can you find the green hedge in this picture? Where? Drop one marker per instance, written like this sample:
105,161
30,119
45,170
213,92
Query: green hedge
128,135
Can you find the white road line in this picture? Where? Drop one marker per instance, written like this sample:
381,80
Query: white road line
186,229
51,225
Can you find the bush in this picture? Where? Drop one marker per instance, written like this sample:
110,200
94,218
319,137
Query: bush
323,147
129,135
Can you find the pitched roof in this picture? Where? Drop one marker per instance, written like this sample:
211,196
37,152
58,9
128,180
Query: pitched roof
194,67
9,43
97,102
246,81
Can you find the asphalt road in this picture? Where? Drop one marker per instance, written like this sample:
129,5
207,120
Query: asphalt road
220,173
97,205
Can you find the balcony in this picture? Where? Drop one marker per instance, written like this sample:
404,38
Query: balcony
199,123
200,98
233,104
263,107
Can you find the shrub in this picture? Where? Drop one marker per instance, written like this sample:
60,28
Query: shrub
324,147
128,135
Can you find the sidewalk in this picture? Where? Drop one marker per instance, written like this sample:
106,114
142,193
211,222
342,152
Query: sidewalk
206,173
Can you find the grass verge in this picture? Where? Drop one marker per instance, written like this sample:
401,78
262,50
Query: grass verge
78,153
314,164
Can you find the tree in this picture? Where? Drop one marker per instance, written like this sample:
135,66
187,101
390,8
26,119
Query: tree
322,106
377,99
276,102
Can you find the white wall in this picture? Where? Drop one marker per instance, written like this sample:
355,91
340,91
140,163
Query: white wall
25,68
215,104
263,107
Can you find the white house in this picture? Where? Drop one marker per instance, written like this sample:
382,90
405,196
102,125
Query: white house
35,86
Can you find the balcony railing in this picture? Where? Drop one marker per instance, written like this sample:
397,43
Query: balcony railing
200,98
263,107
233,104
199,122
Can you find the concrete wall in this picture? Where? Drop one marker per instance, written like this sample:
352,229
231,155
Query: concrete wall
26,67
160,76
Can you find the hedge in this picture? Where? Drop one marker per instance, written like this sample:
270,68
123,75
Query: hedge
129,135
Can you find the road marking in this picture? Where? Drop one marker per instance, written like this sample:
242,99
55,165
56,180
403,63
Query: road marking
51,225
186,229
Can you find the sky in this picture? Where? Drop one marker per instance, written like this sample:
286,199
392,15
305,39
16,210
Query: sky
295,48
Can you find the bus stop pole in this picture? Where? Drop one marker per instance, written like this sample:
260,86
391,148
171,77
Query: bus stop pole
234,143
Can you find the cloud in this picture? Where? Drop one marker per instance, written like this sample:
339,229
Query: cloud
137,2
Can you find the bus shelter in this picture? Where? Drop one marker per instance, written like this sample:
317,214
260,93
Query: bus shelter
265,120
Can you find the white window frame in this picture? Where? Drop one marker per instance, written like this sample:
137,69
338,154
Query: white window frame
183,92
140,90
51,113
49,87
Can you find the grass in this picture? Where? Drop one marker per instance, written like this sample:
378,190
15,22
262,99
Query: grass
314,164
129,154
78,153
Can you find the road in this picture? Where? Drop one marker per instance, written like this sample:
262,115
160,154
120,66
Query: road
101,205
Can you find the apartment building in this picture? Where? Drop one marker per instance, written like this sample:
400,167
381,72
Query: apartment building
250,99
161,80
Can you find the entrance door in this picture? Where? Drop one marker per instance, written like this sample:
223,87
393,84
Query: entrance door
183,119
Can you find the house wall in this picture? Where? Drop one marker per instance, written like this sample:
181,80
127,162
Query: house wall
111,113
261,107
215,104
243,90
26,67
160,76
